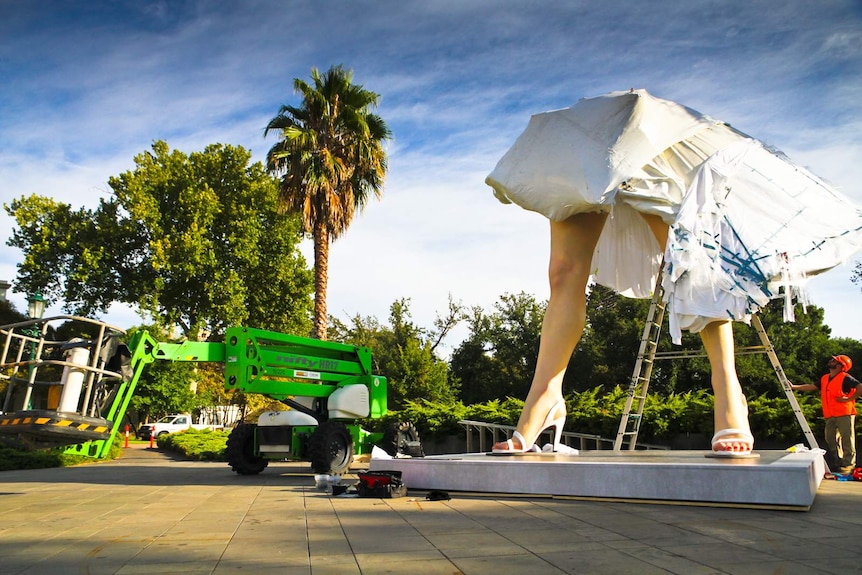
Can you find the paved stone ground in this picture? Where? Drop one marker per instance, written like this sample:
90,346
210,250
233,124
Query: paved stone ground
148,514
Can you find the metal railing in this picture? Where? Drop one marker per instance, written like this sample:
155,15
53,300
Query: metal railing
498,432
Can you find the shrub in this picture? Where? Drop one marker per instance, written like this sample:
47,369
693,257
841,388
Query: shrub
596,412
197,444
12,458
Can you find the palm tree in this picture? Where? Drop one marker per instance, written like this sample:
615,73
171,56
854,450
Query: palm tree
330,158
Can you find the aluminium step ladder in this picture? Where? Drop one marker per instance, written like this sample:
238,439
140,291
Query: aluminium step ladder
639,385
647,355
769,350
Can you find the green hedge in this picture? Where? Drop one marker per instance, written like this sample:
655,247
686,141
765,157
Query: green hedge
197,444
665,417
12,458
593,412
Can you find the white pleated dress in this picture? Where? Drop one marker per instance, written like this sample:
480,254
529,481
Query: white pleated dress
746,224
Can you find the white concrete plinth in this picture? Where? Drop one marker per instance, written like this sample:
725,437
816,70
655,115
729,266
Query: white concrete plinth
776,478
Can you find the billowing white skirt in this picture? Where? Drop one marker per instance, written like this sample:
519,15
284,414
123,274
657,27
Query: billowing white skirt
746,226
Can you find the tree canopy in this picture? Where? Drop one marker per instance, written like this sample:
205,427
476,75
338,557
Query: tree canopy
405,353
8,313
498,357
194,240
165,387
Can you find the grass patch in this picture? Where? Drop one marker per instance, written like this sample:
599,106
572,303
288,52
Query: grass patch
199,445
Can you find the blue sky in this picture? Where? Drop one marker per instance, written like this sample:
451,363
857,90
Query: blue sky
84,86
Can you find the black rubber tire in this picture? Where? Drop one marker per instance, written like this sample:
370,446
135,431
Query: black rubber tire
240,451
402,438
330,448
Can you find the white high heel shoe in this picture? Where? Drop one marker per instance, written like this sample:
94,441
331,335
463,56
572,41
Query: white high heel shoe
553,419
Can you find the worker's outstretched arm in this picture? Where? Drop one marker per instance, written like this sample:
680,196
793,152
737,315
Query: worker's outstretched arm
803,387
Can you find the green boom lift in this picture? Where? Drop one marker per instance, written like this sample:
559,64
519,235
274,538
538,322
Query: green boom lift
74,393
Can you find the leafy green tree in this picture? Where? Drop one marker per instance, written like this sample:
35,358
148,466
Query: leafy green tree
165,386
208,383
196,241
330,157
50,234
498,358
605,355
8,313
802,346
607,352
847,346
476,371
405,353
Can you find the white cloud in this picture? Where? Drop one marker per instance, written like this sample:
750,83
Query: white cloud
92,85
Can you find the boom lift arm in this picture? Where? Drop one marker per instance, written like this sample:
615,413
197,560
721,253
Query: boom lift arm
329,387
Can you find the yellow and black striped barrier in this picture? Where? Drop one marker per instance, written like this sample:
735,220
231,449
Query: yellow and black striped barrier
52,429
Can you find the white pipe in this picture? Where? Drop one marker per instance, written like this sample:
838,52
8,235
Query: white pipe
73,379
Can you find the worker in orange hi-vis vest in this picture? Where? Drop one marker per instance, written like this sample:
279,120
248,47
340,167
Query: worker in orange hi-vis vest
838,392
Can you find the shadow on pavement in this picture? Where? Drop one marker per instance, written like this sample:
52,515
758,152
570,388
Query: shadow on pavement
156,468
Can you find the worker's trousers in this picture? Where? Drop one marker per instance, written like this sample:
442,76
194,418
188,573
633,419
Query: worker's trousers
841,441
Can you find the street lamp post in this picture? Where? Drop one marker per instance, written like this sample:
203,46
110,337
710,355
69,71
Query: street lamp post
35,309
36,306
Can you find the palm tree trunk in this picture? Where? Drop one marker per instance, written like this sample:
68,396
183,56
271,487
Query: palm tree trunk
321,279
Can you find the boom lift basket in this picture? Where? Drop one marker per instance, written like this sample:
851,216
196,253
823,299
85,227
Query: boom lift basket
63,392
